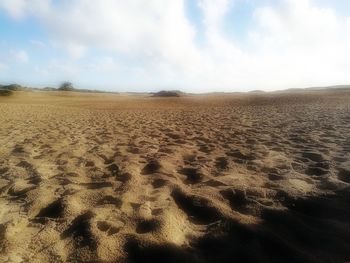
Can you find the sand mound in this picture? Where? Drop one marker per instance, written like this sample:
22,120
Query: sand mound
108,178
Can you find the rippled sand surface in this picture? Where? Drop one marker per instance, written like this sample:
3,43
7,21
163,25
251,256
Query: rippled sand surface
210,178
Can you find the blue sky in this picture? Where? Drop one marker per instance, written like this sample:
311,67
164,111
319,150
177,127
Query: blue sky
192,45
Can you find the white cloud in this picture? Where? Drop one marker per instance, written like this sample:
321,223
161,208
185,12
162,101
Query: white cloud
15,8
3,66
292,43
38,44
19,56
19,9
213,11
303,44
76,51
104,64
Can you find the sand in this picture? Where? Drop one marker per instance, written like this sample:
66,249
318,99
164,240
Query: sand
215,178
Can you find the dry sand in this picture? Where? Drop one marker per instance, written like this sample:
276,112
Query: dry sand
116,178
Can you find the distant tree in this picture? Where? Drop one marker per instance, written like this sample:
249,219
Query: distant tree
66,86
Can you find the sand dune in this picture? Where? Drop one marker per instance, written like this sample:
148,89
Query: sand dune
259,177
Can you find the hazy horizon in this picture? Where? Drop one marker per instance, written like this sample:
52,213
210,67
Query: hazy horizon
155,89
192,45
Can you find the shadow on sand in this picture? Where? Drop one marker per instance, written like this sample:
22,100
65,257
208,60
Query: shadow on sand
314,229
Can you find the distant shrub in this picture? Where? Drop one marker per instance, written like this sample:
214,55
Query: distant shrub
170,93
12,87
257,91
5,92
66,86
49,89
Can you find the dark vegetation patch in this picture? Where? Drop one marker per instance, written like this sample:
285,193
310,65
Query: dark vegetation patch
168,93
12,87
5,93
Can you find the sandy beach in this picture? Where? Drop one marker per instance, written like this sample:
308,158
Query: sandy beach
251,177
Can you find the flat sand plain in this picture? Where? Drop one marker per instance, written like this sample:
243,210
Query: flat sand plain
209,178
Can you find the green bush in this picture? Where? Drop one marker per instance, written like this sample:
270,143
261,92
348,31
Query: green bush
11,87
4,92
66,86
168,93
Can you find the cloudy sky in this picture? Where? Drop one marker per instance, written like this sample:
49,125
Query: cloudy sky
192,45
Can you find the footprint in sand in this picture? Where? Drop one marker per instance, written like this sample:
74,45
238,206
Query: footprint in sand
146,226
194,175
344,175
196,208
151,167
110,228
80,231
221,163
110,200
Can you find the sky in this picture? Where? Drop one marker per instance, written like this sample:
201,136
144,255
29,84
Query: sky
190,45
